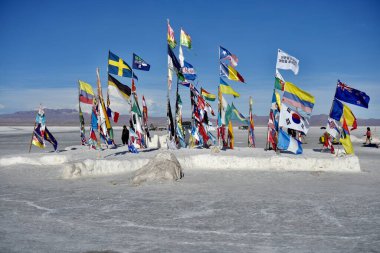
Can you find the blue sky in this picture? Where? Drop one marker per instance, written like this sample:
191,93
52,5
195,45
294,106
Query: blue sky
46,46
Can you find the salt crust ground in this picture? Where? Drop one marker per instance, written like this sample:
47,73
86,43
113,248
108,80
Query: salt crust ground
207,211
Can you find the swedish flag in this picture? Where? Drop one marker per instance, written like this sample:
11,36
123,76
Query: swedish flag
117,66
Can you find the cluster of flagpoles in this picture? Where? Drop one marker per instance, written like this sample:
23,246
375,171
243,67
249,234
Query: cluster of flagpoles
102,113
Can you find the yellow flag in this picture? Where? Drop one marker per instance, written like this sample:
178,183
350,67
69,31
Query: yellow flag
349,117
231,135
347,144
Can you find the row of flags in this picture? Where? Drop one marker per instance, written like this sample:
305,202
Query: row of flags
291,109
227,112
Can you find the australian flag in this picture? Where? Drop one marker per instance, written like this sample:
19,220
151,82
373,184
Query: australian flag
351,95
139,63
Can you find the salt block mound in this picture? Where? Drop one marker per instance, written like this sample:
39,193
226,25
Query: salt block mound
164,166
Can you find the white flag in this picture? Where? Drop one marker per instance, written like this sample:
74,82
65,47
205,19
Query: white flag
181,57
279,76
332,128
224,109
285,61
293,120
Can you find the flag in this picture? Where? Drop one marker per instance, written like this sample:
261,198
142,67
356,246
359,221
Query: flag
37,139
287,142
223,112
171,40
181,58
139,63
82,129
345,139
136,109
117,89
339,111
145,111
225,54
188,71
332,128
349,117
276,101
174,64
86,94
251,131
207,95
230,73
298,98
118,67
170,119
50,138
350,95
185,83
293,120
113,115
226,89
237,115
279,82
231,135
286,61
185,39
133,86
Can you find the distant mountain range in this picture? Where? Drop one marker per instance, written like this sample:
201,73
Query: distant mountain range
70,117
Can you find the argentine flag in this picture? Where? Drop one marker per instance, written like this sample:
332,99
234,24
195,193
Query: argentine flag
286,142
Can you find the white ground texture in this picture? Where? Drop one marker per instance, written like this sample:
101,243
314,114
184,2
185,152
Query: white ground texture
242,200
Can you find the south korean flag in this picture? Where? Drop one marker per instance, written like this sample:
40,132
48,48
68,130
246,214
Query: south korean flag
293,120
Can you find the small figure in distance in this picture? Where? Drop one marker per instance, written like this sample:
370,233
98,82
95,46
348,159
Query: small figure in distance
125,135
368,135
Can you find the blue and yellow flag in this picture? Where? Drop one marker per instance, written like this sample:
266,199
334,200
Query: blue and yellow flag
117,66
298,98
226,89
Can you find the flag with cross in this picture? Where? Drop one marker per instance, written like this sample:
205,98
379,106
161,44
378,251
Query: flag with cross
117,66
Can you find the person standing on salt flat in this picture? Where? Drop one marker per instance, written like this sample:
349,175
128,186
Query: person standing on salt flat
368,135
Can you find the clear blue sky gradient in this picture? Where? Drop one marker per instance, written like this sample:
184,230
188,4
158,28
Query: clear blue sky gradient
46,46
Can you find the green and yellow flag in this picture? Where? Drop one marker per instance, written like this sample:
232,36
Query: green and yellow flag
185,39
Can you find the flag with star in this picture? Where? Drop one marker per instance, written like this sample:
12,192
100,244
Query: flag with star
225,54
139,63
350,95
117,66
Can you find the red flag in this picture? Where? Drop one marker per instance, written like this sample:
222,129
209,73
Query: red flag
145,110
115,117
133,86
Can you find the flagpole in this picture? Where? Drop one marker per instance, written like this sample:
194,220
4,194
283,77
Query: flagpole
167,93
219,105
98,104
31,140
250,112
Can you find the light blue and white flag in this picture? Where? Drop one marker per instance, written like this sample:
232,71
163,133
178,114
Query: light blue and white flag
286,142
188,71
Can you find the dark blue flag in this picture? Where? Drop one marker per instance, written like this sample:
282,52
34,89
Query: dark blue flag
139,63
350,95
336,110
